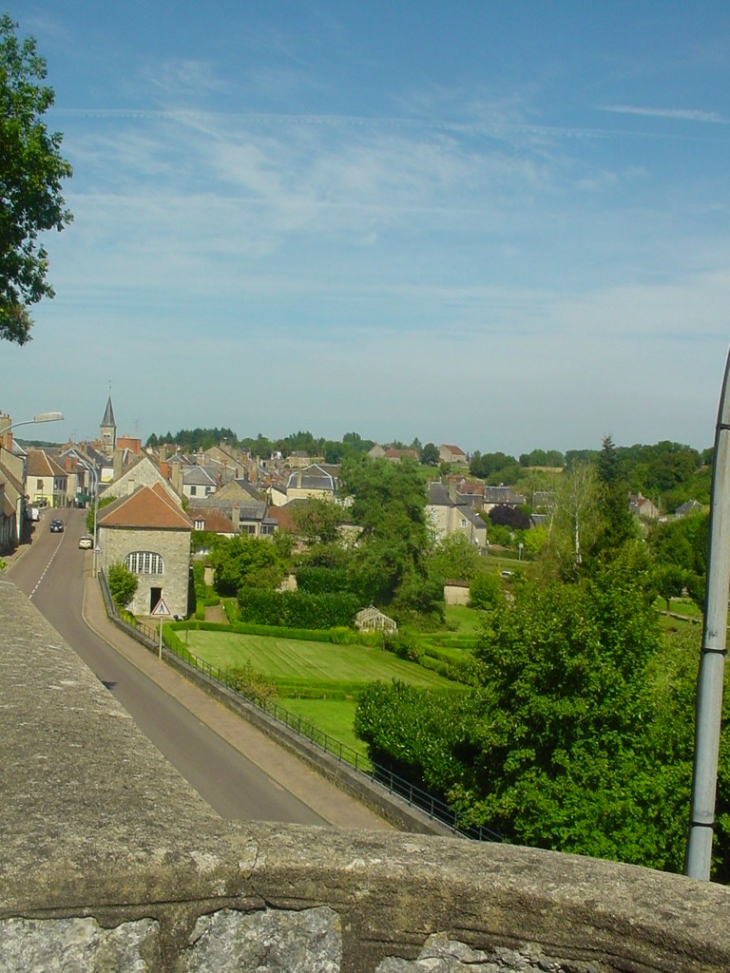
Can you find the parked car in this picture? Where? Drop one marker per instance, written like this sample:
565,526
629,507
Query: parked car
56,526
86,542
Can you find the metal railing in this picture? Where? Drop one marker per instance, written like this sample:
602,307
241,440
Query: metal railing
413,795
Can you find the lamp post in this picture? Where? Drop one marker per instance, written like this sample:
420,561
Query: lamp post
91,467
41,417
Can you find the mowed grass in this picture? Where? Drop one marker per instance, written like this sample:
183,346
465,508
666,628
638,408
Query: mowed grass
294,661
463,620
335,717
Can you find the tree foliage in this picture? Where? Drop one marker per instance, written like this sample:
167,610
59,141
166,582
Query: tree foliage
580,737
122,584
390,558
251,561
318,520
31,172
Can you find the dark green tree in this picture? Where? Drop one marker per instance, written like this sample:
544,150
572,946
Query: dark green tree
318,520
618,523
430,455
31,172
251,561
389,503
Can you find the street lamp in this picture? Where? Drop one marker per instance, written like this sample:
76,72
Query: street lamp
41,417
91,467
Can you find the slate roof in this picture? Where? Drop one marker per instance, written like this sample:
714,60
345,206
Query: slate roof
108,419
148,508
312,478
198,476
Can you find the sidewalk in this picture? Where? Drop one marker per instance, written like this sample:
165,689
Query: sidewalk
336,807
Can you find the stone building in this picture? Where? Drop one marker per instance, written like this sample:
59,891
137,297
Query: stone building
108,429
149,533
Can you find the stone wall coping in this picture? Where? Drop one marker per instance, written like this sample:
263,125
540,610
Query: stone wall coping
95,823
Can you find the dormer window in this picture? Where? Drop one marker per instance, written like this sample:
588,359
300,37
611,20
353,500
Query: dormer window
200,524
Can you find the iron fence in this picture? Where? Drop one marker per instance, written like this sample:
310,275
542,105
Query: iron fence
413,795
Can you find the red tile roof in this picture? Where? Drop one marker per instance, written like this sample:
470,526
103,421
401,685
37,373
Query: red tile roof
148,508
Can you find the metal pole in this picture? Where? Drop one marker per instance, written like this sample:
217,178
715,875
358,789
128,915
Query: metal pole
160,638
698,857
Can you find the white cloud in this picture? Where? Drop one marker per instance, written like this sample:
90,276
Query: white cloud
685,114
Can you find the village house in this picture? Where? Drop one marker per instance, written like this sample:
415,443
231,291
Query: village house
453,455
448,516
45,480
149,533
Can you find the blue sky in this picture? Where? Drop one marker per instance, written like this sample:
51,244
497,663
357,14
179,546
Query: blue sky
502,225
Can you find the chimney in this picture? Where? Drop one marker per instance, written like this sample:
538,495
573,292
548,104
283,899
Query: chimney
117,463
177,478
452,489
299,478
236,516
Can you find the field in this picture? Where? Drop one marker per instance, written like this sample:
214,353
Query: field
332,716
293,663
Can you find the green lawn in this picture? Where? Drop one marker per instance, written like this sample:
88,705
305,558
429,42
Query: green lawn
463,620
295,661
332,716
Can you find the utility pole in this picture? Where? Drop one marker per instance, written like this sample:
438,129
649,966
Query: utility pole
698,857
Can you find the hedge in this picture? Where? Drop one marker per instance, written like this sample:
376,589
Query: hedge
323,581
297,609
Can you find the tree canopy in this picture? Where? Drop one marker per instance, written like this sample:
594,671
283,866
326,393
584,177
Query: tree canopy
390,559
31,172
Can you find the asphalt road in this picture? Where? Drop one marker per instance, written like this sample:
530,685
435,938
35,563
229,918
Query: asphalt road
51,574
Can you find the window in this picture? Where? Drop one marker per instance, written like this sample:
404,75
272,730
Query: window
193,491
39,484
200,525
144,562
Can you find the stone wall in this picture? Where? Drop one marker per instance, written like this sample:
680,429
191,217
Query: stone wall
111,862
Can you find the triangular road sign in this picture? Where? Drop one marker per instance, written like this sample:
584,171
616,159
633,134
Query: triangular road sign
160,610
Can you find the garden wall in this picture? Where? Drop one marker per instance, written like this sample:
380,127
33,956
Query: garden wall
110,861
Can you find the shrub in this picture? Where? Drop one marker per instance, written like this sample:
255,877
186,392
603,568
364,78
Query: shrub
122,584
316,580
297,609
485,591
404,644
251,684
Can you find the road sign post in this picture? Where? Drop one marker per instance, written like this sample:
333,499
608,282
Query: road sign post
162,612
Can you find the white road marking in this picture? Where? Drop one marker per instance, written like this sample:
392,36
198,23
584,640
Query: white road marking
45,569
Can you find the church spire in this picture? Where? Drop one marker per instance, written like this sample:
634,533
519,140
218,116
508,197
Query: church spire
108,419
109,428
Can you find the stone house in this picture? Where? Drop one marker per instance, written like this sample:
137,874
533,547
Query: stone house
45,480
149,533
452,454
313,481
142,471
198,482
447,515
642,507
8,525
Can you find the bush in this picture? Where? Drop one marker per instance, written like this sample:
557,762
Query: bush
122,584
317,580
251,684
485,591
297,609
404,644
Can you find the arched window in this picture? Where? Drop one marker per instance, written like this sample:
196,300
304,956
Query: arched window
145,562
